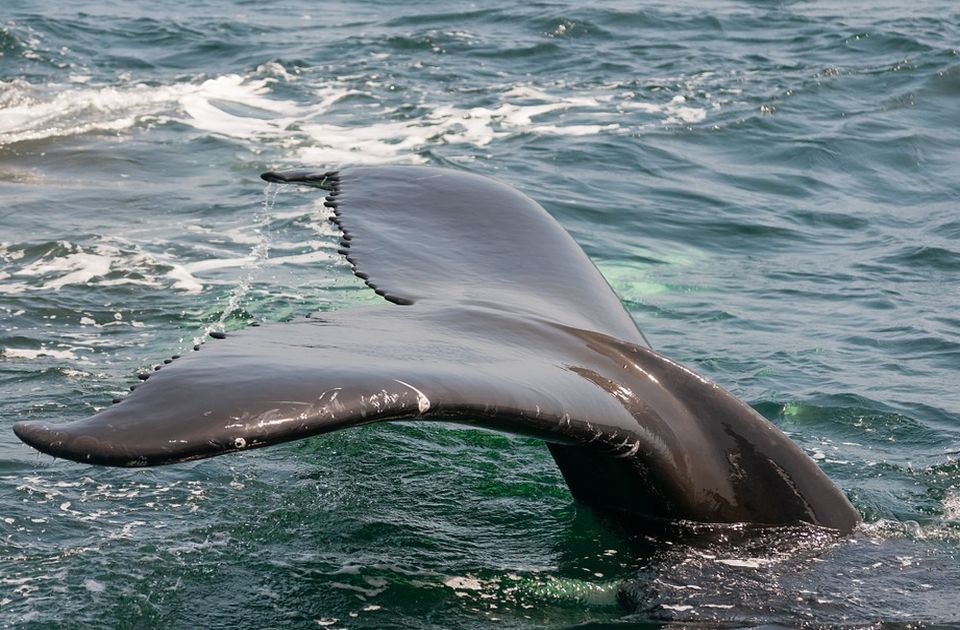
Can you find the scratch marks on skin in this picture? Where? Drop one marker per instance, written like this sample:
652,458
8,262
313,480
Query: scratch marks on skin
381,399
632,450
325,409
595,434
287,412
336,403
625,394
423,403
290,417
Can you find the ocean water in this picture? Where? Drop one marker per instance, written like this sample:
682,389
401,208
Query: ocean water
772,189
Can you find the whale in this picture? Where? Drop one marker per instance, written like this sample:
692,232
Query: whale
493,317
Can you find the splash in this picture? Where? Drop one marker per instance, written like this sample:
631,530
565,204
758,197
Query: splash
259,253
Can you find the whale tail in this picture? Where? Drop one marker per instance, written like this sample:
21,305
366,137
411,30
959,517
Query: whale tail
505,324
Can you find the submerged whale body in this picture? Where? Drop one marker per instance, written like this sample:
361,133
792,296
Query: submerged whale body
502,322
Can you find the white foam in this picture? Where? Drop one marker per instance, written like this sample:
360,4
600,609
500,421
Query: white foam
245,108
445,124
369,144
951,505
746,563
306,258
30,112
201,106
576,130
78,268
674,111
92,264
463,583
183,279
56,110
30,354
217,263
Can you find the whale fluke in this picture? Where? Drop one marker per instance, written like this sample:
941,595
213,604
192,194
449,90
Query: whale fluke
501,321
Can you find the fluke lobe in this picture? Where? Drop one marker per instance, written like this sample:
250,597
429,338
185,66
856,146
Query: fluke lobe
502,322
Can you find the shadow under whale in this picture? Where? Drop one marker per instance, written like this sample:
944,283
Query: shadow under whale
502,322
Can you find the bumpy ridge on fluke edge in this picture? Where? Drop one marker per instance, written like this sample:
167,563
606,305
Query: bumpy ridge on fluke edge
330,181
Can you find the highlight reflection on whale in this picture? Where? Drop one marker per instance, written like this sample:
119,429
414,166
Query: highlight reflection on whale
502,322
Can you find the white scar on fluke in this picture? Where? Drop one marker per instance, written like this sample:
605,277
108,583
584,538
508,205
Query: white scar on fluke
423,403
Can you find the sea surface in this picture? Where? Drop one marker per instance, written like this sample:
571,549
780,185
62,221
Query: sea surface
772,189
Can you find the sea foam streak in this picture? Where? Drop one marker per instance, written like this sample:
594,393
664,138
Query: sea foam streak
107,262
244,108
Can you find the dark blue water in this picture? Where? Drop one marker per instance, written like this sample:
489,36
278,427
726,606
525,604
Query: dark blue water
773,190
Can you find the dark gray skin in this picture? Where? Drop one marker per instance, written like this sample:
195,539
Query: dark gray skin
503,322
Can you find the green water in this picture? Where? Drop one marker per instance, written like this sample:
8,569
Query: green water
771,188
